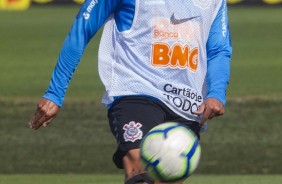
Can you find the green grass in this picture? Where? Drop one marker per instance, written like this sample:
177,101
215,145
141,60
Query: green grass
31,42
244,141
256,64
117,179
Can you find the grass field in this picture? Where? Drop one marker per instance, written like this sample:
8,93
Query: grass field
244,141
117,179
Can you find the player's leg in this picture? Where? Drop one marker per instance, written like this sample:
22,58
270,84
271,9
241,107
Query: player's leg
130,119
131,163
133,170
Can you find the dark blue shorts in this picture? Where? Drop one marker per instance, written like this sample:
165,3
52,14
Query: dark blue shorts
131,117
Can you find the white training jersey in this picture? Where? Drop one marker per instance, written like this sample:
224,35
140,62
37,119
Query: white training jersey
175,51
162,55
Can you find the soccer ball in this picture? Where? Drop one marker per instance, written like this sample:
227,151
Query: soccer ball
170,152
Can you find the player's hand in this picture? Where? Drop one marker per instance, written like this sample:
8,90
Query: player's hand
209,109
45,113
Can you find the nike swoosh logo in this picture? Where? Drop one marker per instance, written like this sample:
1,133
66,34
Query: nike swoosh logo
175,21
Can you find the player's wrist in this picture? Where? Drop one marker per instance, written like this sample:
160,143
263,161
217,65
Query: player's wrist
53,98
220,97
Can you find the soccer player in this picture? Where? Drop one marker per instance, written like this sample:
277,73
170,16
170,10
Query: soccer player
160,60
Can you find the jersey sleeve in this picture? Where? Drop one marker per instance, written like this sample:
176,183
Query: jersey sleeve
90,18
219,51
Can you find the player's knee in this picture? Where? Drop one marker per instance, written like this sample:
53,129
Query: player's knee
132,162
139,179
133,154
133,169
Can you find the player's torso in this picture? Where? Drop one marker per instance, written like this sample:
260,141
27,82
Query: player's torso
163,54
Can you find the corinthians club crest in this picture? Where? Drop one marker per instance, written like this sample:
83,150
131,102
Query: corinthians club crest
204,4
132,131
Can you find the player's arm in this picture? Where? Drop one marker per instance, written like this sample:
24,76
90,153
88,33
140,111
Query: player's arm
90,18
219,51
